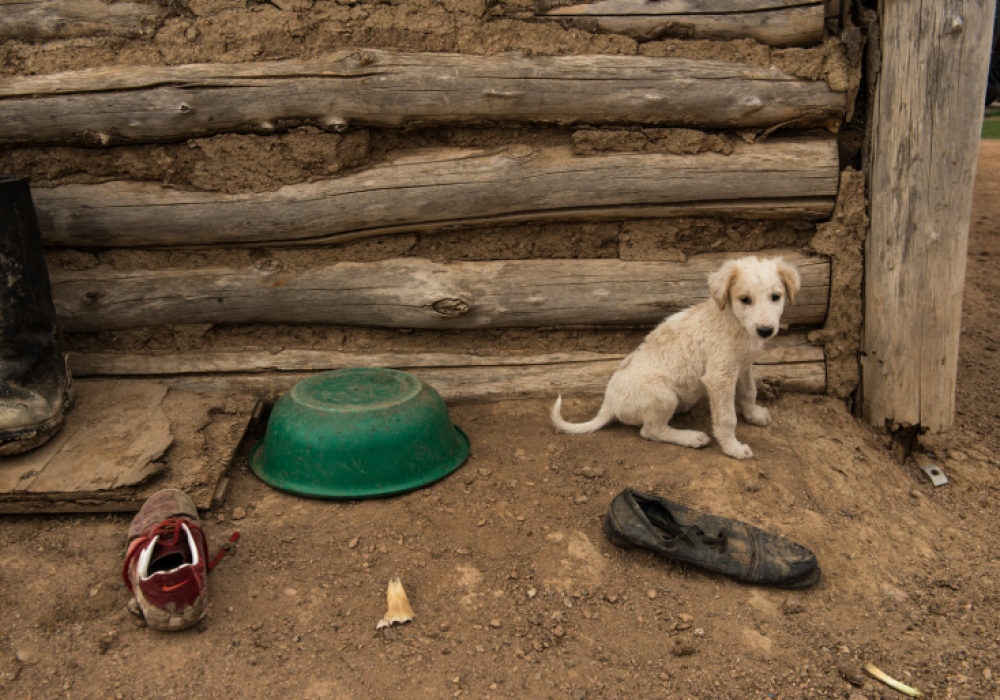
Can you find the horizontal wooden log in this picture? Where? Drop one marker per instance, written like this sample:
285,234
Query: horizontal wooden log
441,187
62,19
112,364
773,22
785,349
679,7
410,293
129,104
483,384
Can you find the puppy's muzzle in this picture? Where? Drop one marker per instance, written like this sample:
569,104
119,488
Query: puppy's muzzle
765,331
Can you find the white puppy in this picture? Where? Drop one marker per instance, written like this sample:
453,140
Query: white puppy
706,349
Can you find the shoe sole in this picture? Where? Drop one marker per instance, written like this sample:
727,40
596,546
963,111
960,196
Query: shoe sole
161,621
614,538
19,440
804,581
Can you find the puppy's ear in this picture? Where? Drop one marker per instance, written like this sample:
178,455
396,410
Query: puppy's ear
722,281
790,277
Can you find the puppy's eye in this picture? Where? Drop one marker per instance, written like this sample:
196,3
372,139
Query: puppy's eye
775,297
746,301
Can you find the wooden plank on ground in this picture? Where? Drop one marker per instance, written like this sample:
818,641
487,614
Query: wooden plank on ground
411,293
122,431
441,187
122,441
773,22
132,104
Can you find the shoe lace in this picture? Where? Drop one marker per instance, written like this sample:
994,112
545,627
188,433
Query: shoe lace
169,531
721,541
662,520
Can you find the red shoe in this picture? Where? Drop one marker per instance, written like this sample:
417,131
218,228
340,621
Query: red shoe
166,564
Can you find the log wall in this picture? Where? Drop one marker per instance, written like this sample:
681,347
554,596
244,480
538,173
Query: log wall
672,135
383,89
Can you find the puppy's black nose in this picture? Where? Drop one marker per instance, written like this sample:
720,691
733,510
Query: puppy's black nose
765,332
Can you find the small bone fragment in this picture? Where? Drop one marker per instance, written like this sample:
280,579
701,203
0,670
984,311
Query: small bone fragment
878,674
399,605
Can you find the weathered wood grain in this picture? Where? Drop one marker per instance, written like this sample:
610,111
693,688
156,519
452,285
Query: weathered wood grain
111,364
801,208
441,188
773,22
785,349
60,19
680,7
409,293
484,384
927,116
129,104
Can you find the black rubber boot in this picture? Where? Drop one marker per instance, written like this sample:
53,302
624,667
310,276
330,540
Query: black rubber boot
35,386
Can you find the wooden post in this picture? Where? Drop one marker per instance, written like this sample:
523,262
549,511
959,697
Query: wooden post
926,120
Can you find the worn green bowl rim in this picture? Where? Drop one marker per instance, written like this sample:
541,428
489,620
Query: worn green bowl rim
333,493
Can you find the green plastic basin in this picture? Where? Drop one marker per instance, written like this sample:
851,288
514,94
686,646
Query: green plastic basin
358,433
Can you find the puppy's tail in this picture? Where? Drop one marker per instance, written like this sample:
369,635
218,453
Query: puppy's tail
602,418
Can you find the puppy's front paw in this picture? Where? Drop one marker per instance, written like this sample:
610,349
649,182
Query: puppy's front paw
737,450
758,415
695,439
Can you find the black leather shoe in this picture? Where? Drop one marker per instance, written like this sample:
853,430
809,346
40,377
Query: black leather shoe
725,546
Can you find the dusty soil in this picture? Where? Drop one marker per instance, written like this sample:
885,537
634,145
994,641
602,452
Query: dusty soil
518,594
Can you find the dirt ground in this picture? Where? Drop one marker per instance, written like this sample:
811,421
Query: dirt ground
518,594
